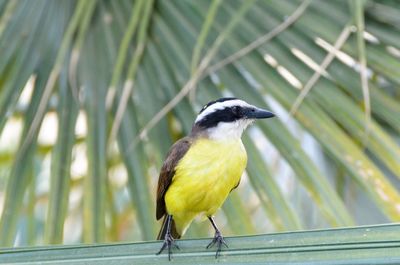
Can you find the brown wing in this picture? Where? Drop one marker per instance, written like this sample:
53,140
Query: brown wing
177,151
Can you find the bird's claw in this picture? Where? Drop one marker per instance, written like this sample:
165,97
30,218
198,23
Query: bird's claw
219,240
169,242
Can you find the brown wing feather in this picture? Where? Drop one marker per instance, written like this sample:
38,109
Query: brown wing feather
177,151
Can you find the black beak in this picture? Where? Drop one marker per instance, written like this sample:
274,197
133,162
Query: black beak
256,113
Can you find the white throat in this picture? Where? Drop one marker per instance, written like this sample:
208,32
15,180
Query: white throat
228,130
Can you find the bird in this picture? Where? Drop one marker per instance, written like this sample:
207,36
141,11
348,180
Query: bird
201,169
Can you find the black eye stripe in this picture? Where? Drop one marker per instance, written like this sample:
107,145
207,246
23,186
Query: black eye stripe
222,115
228,114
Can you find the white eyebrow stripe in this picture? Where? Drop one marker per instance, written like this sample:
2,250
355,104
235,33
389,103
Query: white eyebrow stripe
221,105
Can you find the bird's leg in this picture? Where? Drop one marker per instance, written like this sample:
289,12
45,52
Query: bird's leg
169,241
218,238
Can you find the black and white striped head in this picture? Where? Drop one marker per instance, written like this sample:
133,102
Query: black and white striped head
227,118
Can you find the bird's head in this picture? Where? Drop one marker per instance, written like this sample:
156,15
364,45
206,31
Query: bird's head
227,118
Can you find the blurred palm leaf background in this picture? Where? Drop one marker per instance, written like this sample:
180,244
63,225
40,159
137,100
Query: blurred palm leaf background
93,94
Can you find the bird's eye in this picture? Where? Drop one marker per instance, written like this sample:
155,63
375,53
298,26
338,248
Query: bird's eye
237,110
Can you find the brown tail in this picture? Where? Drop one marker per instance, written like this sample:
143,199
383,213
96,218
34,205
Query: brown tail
163,230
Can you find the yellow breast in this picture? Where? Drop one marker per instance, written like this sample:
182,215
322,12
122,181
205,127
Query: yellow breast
203,179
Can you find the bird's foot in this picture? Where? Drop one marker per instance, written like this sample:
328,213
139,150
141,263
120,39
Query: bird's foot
219,241
169,242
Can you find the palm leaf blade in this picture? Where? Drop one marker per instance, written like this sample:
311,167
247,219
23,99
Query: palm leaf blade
375,244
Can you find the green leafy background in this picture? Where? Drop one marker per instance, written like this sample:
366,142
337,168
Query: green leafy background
93,94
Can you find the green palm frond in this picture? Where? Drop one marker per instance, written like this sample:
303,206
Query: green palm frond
125,79
362,245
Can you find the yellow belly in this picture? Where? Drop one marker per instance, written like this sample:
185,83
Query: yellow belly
203,179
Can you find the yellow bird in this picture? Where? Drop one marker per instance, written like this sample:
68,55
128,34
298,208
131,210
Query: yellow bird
203,168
